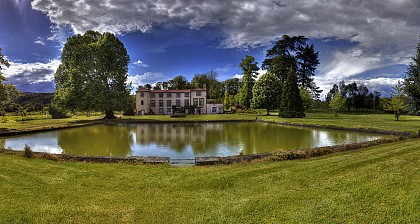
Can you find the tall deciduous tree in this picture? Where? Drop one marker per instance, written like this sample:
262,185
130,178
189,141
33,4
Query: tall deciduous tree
7,91
265,94
249,70
412,81
398,102
93,74
291,104
210,82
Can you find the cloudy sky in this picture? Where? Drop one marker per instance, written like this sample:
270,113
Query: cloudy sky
369,42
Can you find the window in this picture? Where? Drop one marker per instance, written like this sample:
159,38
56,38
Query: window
142,102
142,95
152,103
168,95
178,95
160,103
152,95
178,103
187,94
201,104
186,103
160,95
195,102
168,110
161,110
168,103
198,93
214,110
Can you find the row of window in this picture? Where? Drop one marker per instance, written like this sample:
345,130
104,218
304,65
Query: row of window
196,102
178,95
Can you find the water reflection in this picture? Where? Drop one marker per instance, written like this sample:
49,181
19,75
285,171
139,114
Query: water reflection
182,140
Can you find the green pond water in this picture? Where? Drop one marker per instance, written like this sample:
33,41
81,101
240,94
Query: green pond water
181,140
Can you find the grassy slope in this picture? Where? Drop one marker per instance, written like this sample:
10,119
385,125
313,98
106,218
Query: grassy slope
373,185
377,184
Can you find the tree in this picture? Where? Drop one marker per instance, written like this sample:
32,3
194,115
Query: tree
93,74
7,91
265,94
210,82
307,60
231,89
398,102
249,70
178,82
307,98
291,103
412,81
337,103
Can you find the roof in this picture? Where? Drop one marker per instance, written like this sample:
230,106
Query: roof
171,90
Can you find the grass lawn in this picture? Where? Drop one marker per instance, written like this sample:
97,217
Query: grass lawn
373,185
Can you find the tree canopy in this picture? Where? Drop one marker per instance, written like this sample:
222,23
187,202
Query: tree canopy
249,70
93,74
265,94
412,81
291,104
7,91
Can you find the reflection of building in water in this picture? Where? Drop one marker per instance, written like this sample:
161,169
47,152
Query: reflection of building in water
178,136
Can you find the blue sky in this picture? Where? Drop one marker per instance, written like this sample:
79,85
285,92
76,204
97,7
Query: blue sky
369,42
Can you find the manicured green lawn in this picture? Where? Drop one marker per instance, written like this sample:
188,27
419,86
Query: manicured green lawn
373,185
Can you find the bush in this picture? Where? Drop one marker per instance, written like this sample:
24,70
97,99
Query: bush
57,112
27,151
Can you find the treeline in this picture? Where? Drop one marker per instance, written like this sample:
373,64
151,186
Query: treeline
30,101
288,83
357,98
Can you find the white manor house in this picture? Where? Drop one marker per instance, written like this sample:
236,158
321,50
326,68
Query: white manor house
164,101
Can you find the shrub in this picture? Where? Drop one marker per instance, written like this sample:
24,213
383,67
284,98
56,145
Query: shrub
27,151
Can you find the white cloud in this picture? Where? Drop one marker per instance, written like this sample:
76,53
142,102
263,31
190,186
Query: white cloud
141,64
40,41
147,77
32,72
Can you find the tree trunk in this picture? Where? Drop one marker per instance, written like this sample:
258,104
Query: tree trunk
109,114
268,112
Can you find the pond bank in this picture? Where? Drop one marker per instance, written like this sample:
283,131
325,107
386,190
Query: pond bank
274,155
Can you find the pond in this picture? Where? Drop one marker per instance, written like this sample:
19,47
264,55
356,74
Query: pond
181,140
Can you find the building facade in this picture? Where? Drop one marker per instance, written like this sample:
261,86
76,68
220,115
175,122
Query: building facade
164,101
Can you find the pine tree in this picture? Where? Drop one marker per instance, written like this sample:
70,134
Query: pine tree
291,102
412,81
249,68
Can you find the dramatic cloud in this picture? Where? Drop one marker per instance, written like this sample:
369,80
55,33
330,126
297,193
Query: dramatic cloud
32,76
383,32
141,64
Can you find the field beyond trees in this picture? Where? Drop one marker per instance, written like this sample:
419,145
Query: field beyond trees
372,185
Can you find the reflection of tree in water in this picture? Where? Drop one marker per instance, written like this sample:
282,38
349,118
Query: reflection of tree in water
101,140
209,138
2,143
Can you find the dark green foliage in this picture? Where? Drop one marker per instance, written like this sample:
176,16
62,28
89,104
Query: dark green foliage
179,82
210,82
57,112
291,102
93,74
412,81
131,107
27,152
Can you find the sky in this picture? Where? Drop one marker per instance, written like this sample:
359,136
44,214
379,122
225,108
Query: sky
367,42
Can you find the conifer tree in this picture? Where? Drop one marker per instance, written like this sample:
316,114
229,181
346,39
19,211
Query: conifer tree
412,81
291,102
